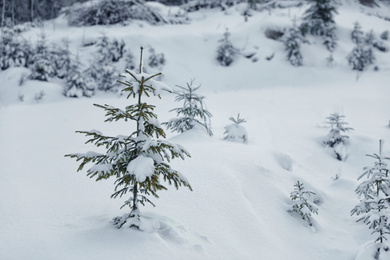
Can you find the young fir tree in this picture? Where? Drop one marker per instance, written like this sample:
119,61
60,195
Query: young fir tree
193,107
303,207
235,131
374,206
363,54
335,139
42,67
293,46
226,52
138,162
319,20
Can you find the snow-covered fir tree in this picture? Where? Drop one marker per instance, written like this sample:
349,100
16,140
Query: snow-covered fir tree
140,161
374,192
193,113
103,70
319,20
335,138
61,58
77,84
14,51
235,131
302,204
226,52
293,46
42,67
362,54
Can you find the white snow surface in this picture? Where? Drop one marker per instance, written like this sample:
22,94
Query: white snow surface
240,198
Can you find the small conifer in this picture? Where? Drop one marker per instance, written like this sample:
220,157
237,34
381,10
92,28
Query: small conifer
138,162
226,52
192,113
303,207
335,138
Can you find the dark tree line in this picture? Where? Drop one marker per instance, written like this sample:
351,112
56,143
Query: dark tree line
19,11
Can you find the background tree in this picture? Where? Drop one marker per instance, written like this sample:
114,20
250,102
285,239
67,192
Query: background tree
138,162
193,108
319,20
293,46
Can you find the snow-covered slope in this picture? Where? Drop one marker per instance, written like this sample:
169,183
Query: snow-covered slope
238,207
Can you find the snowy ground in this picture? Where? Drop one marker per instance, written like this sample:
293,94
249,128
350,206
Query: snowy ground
238,209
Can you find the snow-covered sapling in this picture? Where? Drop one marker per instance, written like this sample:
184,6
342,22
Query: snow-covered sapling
374,206
226,52
235,131
303,206
335,138
192,113
138,162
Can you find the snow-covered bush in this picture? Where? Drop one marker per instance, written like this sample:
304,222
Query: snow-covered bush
109,50
61,58
111,12
156,60
192,113
102,69
226,52
42,67
235,131
14,51
138,162
319,20
335,138
129,60
293,46
302,204
196,5
374,206
77,84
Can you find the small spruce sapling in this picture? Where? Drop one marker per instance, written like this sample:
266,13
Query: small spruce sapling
192,113
235,131
226,52
138,162
335,139
303,207
374,192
